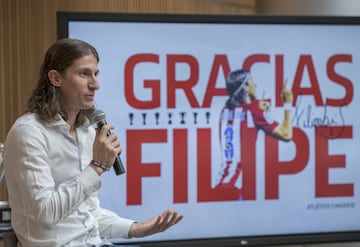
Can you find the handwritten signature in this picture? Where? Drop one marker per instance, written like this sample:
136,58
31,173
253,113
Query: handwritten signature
305,117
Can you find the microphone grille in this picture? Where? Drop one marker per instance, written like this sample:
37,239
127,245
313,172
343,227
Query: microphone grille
98,115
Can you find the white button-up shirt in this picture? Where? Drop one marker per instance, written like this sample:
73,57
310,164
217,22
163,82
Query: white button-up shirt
52,189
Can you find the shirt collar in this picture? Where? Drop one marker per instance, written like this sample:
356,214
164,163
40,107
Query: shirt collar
61,122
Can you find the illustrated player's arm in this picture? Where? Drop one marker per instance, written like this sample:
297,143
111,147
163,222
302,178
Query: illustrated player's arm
284,130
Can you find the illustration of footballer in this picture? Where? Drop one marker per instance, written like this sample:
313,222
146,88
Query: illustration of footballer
244,112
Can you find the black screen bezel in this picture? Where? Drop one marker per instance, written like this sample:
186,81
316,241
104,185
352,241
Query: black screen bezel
65,17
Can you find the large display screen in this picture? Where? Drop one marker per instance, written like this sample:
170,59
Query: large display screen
247,125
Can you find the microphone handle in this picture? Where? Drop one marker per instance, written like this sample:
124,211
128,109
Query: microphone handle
118,165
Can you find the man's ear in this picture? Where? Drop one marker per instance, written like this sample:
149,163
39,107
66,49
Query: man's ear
54,78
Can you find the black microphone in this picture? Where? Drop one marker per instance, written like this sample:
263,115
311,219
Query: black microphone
98,118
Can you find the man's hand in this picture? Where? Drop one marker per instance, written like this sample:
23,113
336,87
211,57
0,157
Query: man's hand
155,224
287,94
105,148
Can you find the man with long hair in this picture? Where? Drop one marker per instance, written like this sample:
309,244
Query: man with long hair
53,159
241,112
